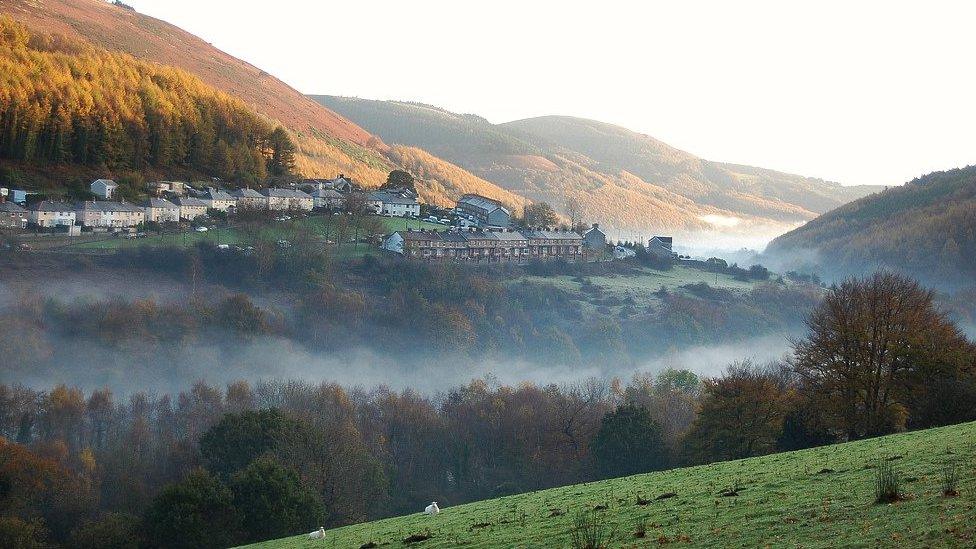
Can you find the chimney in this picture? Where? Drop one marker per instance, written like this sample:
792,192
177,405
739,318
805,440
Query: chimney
596,225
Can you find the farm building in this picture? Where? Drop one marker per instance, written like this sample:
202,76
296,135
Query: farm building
485,211
160,210
104,188
12,216
49,213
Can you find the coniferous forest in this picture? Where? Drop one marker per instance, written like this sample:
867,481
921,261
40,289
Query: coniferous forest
63,101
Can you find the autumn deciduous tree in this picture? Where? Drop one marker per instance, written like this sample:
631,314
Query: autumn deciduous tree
540,214
399,178
875,349
741,414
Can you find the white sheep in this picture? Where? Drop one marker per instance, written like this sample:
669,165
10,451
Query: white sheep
318,534
432,509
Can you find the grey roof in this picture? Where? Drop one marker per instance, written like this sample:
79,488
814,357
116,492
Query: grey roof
284,193
420,235
392,198
552,235
190,201
327,193
159,203
506,236
454,236
218,194
108,206
11,207
107,182
51,206
246,192
482,203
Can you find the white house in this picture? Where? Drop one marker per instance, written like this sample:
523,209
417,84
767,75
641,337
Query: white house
287,199
219,200
104,188
190,208
48,213
396,204
393,243
249,199
160,210
328,198
99,213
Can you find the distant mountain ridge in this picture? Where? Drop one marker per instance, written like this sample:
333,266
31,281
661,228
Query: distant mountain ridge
926,228
627,180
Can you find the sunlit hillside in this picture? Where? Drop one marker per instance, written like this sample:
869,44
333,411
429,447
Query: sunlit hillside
623,179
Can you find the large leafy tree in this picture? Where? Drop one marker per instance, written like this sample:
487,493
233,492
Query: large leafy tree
198,512
877,351
540,214
628,442
237,439
273,502
399,178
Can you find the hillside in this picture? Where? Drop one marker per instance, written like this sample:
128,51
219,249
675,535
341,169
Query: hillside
626,180
327,144
926,227
811,498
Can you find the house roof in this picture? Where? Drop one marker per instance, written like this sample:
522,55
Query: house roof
107,206
327,193
246,192
273,192
542,234
190,201
106,182
482,203
505,236
393,198
420,235
159,203
218,194
51,206
11,207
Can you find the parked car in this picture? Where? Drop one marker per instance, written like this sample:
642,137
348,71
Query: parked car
201,229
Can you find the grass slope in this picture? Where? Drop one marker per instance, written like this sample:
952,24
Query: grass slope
821,497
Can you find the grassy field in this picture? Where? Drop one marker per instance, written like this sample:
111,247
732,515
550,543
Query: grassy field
821,497
638,288
317,225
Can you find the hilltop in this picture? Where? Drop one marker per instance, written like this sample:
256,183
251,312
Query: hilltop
923,228
327,143
812,498
627,180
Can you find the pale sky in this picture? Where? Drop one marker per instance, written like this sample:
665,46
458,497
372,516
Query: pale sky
853,91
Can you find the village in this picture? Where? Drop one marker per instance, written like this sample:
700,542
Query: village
476,229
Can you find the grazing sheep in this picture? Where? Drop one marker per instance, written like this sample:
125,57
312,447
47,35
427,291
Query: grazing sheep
432,509
318,534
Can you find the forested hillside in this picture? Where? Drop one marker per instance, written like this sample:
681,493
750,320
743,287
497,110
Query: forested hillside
926,227
326,143
625,180
66,102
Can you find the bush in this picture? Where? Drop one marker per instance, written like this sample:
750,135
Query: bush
112,531
950,481
887,484
589,531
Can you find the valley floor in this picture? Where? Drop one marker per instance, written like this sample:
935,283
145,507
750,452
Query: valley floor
821,497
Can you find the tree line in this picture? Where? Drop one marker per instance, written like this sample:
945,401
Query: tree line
65,102
214,466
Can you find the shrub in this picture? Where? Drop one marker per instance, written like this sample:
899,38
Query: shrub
887,484
589,531
950,480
